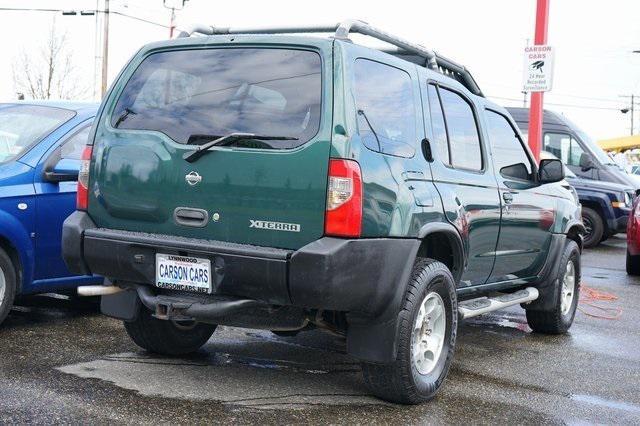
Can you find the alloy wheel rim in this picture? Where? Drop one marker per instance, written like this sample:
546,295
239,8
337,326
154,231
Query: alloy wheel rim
568,288
3,285
427,336
588,226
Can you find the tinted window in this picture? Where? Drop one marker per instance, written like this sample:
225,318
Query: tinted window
22,126
506,148
384,94
73,147
463,133
439,131
194,95
564,147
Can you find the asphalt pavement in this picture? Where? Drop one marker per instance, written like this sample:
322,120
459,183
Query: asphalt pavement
61,362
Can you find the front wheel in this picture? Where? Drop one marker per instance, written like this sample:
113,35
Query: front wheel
559,318
7,285
426,340
167,337
594,226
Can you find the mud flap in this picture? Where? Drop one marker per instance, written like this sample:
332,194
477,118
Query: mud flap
124,305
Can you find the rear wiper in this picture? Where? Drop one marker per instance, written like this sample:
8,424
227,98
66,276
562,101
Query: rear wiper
226,140
362,113
123,116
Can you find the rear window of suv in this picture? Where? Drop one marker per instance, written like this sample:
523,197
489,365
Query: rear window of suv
192,96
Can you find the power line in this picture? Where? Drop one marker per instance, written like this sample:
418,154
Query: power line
115,12
560,104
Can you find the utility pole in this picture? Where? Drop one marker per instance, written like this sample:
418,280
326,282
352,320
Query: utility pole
105,47
630,109
173,5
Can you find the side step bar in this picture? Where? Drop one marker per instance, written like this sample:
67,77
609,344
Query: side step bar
482,305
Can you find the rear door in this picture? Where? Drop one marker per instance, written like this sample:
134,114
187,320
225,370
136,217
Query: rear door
463,175
262,192
527,212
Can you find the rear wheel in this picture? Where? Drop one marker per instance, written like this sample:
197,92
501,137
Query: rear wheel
559,318
426,340
7,285
168,337
633,264
594,227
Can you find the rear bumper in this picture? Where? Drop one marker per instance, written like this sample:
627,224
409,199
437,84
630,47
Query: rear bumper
360,275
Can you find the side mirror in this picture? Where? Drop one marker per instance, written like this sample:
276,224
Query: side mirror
66,170
515,171
586,162
550,171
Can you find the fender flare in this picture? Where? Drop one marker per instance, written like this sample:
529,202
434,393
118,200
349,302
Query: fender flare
576,226
604,208
12,231
459,254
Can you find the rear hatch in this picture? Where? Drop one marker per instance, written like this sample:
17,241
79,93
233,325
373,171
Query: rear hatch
246,189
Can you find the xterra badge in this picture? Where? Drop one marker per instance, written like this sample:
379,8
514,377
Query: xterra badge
274,226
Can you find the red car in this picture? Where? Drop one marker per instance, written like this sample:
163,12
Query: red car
633,240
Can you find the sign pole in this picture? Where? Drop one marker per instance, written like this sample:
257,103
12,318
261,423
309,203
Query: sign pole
536,109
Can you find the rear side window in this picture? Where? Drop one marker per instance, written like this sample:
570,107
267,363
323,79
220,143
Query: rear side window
464,140
438,126
506,147
386,109
194,96
73,147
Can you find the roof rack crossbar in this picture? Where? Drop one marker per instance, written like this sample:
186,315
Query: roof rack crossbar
342,30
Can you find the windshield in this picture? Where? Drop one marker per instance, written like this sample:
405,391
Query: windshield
22,126
270,92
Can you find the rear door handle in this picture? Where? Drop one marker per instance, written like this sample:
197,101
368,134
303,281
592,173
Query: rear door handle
507,197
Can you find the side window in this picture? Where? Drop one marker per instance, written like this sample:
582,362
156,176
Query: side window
506,147
464,140
438,127
386,110
564,147
73,147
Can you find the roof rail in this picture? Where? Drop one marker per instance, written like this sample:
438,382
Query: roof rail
342,30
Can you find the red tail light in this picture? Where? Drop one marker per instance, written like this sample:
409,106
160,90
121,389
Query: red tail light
344,199
82,197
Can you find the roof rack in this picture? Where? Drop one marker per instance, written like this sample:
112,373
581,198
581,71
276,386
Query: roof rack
414,52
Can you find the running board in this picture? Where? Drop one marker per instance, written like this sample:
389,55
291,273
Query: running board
482,305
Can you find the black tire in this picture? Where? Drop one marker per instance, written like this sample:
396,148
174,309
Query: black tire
555,321
400,381
633,264
595,227
8,284
166,337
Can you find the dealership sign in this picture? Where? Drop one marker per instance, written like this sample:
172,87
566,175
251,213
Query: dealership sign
537,74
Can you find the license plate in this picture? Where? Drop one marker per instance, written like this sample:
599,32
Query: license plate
183,273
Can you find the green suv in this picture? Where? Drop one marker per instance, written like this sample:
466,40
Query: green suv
285,182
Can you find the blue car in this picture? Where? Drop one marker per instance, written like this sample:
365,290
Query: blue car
41,144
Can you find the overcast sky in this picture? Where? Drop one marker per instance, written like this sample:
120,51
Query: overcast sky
593,41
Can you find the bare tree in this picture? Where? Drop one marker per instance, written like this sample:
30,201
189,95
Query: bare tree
49,73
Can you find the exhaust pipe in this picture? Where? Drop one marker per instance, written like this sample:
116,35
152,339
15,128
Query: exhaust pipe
98,290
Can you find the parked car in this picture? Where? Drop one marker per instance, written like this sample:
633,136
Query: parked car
40,148
605,206
576,149
287,182
633,240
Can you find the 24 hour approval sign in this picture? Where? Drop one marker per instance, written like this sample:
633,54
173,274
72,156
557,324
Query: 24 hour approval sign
538,69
